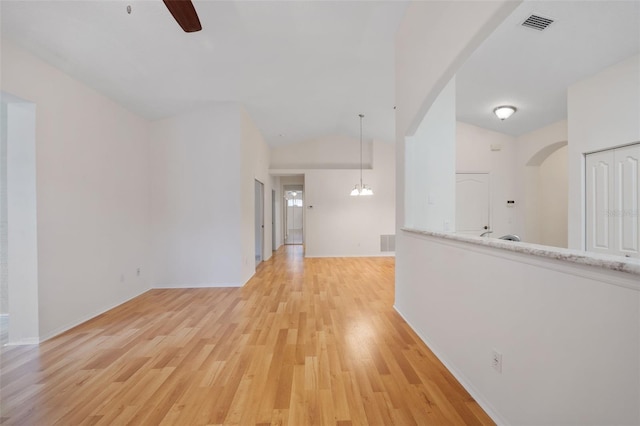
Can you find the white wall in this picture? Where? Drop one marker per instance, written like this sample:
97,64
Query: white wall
474,155
556,325
533,150
196,199
204,167
430,162
337,224
254,163
4,226
534,147
603,112
92,193
429,50
553,183
516,174
569,339
321,154
102,170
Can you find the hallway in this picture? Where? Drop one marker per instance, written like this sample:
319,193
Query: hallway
304,342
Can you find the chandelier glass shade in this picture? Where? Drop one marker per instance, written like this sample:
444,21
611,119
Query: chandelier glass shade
360,189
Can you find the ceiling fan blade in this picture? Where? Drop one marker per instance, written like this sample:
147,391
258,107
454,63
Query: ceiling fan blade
185,14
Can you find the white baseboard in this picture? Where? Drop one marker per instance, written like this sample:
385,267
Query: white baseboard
386,254
473,391
86,318
24,342
197,285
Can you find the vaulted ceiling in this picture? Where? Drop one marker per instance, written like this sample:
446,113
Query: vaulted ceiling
532,69
302,69
306,69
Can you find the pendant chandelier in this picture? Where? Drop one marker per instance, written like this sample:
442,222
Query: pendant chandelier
361,189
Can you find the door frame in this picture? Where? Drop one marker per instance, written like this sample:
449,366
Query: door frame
259,221
285,209
273,221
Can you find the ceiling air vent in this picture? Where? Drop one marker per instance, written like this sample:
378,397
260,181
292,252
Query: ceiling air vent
537,22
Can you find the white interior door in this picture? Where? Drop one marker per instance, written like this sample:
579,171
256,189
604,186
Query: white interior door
613,201
472,203
626,213
598,197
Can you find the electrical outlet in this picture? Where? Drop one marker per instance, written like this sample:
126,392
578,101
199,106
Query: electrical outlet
121,278
138,272
496,361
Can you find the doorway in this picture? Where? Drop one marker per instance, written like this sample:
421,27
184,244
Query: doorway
274,243
18,222
259,220
294,215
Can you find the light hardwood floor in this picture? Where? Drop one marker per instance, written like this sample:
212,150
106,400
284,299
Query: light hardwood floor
305,342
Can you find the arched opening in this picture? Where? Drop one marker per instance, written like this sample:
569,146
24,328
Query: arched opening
546,186
539,157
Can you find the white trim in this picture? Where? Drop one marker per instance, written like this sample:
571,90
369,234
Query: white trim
624,145
24,342
472,172
583,194
385,254
197,285
288,172
86,318
475,393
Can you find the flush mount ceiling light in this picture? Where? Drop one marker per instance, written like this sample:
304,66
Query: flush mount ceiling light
361,189
504,111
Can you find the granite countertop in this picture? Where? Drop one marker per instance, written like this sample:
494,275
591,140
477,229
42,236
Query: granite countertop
614,263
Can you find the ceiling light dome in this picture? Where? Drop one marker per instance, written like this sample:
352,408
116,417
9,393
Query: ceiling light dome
504,111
